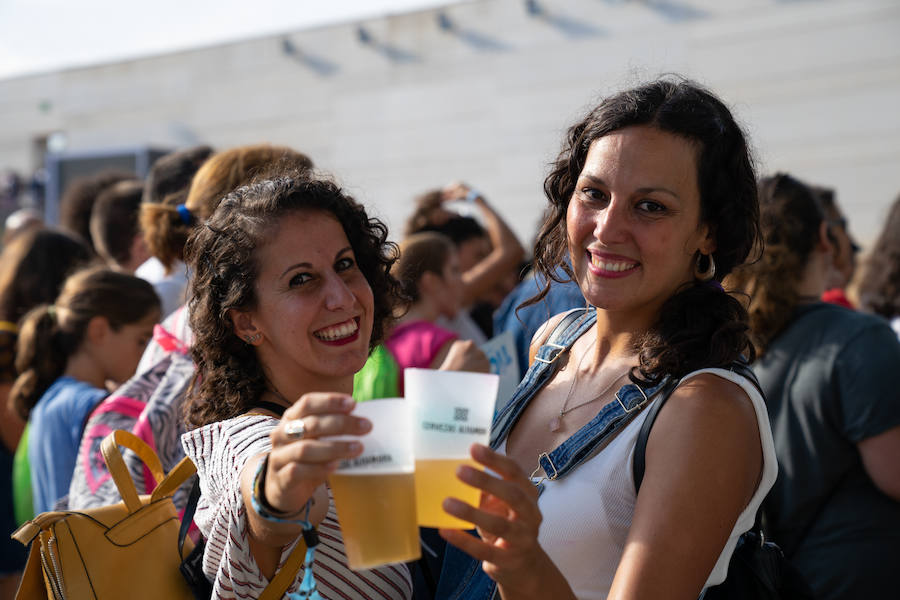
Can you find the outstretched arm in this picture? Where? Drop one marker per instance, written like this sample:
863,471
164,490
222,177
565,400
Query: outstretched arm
296,471
506,250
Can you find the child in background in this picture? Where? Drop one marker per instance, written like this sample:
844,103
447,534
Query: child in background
428,270
67,351
114,226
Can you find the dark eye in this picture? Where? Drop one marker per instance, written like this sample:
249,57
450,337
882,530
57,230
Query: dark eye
650,206
594,194
299,279
344,263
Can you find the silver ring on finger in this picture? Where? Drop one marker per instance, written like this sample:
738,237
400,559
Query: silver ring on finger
295,429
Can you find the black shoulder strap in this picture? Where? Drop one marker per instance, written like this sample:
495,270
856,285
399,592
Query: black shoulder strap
278,409
640,447
189,510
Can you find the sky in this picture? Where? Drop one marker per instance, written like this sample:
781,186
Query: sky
44,35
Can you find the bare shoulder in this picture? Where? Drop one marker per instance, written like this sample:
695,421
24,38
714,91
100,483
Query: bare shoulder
710,421
709,398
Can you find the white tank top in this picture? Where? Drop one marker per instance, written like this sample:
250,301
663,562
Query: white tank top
587,514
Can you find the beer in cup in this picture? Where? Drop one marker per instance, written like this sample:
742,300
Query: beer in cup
374,493
451,411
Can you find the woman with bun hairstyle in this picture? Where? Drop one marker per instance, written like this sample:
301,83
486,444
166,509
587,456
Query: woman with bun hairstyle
653,199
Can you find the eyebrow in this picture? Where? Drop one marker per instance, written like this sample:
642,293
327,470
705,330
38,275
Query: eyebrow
309,266
643,190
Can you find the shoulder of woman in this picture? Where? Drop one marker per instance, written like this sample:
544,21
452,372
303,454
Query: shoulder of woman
540,336
715,412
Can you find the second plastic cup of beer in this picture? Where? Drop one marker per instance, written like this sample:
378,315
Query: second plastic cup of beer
451,411
374,493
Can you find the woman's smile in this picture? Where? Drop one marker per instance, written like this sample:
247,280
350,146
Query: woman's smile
340,333
610,265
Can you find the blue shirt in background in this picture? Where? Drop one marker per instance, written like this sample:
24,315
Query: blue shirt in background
56,425
562,297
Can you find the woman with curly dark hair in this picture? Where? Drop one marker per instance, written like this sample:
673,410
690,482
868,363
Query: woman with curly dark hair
831,376
291,289
653,198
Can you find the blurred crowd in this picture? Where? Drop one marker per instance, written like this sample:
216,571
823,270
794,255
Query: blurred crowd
106,316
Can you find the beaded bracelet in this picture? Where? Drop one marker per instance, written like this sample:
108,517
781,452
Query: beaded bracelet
308,588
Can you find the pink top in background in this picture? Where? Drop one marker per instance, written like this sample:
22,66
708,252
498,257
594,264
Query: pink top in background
415,344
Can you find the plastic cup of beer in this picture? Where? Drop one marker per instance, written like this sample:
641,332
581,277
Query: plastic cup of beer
451,411
374,493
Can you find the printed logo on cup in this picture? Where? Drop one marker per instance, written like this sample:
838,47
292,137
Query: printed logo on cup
388,447
451,410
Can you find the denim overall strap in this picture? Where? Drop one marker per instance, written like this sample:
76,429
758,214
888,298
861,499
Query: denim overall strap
542,369
589,440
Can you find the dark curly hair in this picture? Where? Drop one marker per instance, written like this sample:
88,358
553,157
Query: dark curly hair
222,257
699,326
791,214
879,290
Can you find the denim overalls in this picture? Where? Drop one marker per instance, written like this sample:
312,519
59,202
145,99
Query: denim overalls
461,575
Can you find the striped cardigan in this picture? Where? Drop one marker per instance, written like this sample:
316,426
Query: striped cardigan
220,451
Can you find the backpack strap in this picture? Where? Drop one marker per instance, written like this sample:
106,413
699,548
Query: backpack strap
640,447
116,465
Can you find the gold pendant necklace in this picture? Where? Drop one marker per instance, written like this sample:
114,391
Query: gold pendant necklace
556,422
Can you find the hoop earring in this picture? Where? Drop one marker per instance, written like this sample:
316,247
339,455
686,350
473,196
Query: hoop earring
709,272
252,339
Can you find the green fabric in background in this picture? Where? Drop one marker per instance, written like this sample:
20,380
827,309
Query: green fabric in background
23,505
378,378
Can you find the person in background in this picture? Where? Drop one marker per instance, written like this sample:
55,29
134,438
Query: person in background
845,249
488,256
167,224
523,319
291,289
94,332
33,267
165,227
830,377
78,199
429,271
114,226
653,199
879,286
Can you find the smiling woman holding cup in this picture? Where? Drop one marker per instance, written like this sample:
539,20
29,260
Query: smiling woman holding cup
653,199
290,291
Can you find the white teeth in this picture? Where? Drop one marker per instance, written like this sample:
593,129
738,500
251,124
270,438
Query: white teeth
338,332
614,266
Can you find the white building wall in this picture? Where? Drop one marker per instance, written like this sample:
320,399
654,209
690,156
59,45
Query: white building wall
816,83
